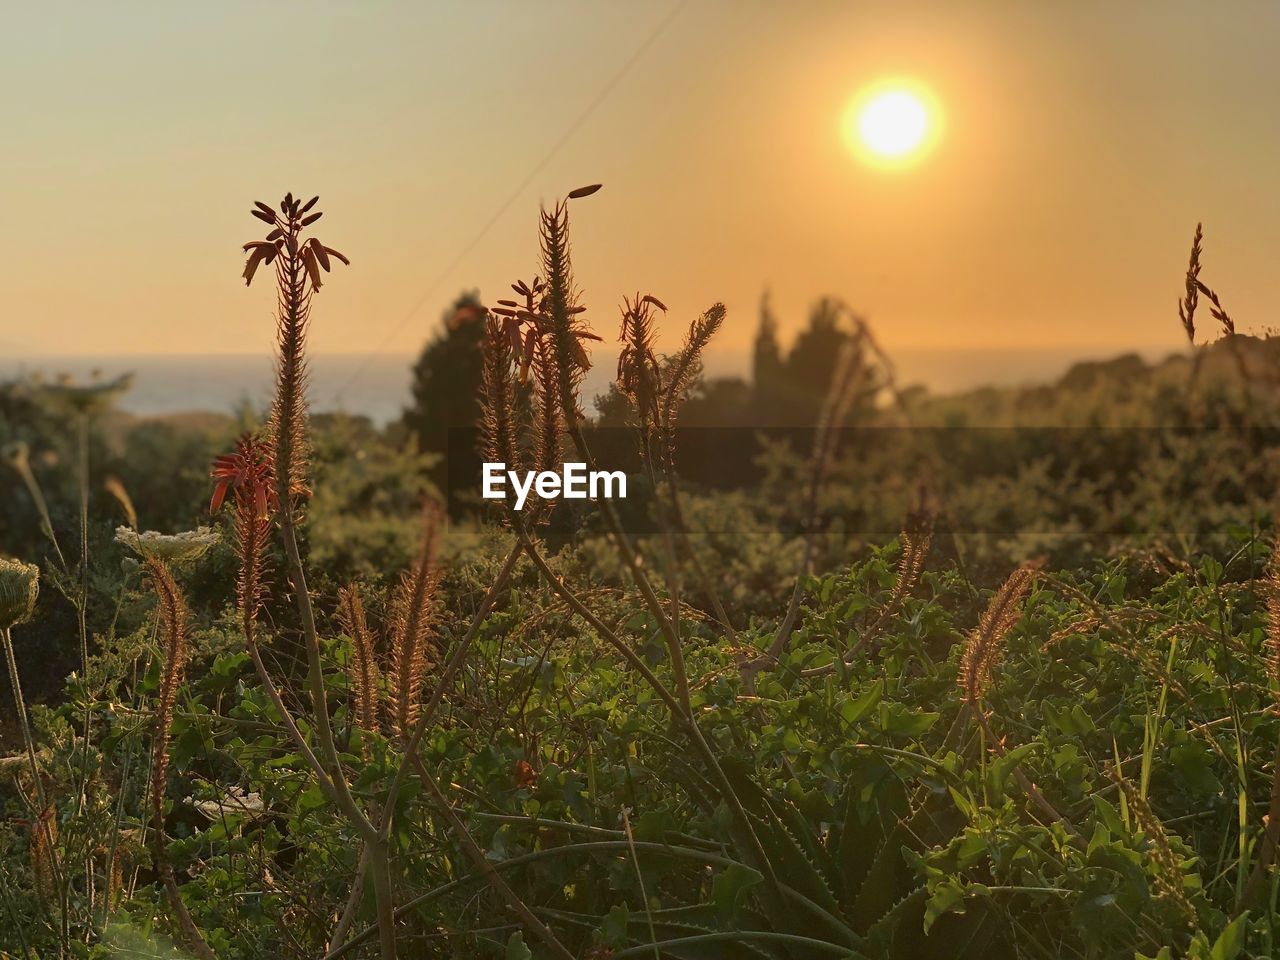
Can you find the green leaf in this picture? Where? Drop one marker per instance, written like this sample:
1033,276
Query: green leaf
613,929
947,897
1231,941
312,798
1194,763
963,803
730,885
853,710
791,741
1109,816
1211,570
1101,837
516,949
1000,769
905,722
973,846
652,825
1083,722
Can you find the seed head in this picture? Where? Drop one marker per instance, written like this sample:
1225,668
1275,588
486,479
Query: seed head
168,547
19,588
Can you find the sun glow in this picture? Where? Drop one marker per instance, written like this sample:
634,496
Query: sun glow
892,123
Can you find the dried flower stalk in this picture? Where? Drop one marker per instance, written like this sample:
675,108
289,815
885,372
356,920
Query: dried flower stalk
363,666
685,368
498,422
249,474
42,853
986,644
1187,305
173,617
1165,869
412,622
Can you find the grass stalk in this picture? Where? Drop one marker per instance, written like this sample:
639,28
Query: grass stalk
354,896
680,707
39,822
482,864
795,898
454,664
82,599
644,896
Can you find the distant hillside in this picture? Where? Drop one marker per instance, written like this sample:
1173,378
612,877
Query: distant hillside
1123,390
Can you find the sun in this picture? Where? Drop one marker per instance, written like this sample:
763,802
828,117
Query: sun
892,124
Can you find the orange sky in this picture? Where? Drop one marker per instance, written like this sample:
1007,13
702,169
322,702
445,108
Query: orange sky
1082,143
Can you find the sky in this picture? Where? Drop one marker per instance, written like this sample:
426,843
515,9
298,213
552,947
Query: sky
1080,144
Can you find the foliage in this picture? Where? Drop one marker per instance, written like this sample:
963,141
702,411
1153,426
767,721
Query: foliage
752,729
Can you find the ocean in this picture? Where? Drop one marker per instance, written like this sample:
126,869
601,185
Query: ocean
378,385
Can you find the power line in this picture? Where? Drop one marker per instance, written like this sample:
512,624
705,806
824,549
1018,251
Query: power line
515,194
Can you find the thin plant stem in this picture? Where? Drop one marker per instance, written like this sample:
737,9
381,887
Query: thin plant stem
379,862
1270,842
315,683
477,857
380,867
38,820
42,508
680,707
6,886
840,395
299,741
644,897
116,823
708,584
82,602
348,915
630,559
297,574
621,846
83,472
447,675
671,564
24,722
675,651
1024,783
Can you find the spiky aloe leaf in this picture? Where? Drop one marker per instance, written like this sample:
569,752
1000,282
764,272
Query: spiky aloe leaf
675,924
883,885
880,935
900,935
862,832
812,910
792,858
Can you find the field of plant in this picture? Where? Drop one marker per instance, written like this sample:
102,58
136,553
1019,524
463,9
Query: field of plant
970,677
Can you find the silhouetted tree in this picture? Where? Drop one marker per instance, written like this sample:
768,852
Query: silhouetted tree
721,402
767,374
788,391
811,363
446,385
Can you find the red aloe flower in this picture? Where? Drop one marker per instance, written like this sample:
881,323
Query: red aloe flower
248,471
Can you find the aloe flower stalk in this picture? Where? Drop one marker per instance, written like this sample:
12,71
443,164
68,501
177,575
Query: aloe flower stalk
299,263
